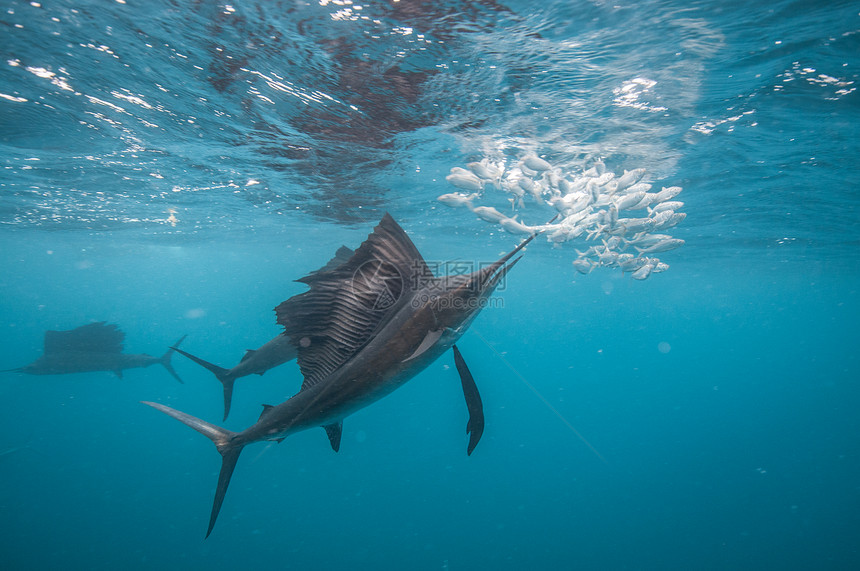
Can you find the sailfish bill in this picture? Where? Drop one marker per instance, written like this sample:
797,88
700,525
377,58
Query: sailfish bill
363,328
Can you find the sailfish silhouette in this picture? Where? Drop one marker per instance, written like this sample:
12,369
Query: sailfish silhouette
91,347
363,329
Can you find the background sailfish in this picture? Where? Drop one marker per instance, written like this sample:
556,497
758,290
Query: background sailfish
363,329
92,347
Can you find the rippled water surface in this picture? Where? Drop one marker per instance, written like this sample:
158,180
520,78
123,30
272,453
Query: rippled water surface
173,167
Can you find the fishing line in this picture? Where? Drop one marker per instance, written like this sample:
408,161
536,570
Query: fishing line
541,397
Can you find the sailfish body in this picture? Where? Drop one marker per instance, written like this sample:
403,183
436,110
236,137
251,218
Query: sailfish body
363,329
86,361
91,347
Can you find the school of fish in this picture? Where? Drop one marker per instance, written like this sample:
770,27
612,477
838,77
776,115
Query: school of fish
623,219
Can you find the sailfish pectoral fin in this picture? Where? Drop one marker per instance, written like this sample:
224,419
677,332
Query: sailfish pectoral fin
475,426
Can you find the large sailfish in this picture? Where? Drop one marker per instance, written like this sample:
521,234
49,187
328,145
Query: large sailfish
365,327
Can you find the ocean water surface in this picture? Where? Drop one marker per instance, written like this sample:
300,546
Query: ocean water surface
174,167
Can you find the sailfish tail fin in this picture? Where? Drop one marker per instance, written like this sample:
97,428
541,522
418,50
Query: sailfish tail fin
165,360
226,444
222,374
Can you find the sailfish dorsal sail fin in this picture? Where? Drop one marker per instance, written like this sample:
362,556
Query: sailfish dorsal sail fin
349,301
98,337
341,257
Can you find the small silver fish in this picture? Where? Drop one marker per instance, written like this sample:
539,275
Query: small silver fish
668,219
536,163
670,205
628,201
461,171
513,226
608,258
611,187
645,271
661,246
613,242
526,184
644,239
560,233
631,264
456,199
594,189
466,181
646,200
624,259
636,224
583,266
591,251
513,188
485,170
639,187
630,178
668,193
570,204
604,178
488,213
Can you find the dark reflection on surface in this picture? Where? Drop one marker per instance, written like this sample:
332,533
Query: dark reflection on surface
335,147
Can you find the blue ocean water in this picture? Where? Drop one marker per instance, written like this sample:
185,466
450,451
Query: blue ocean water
173,167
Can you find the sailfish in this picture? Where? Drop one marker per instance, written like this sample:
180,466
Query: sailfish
271,354
362,330
92,347
277,351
